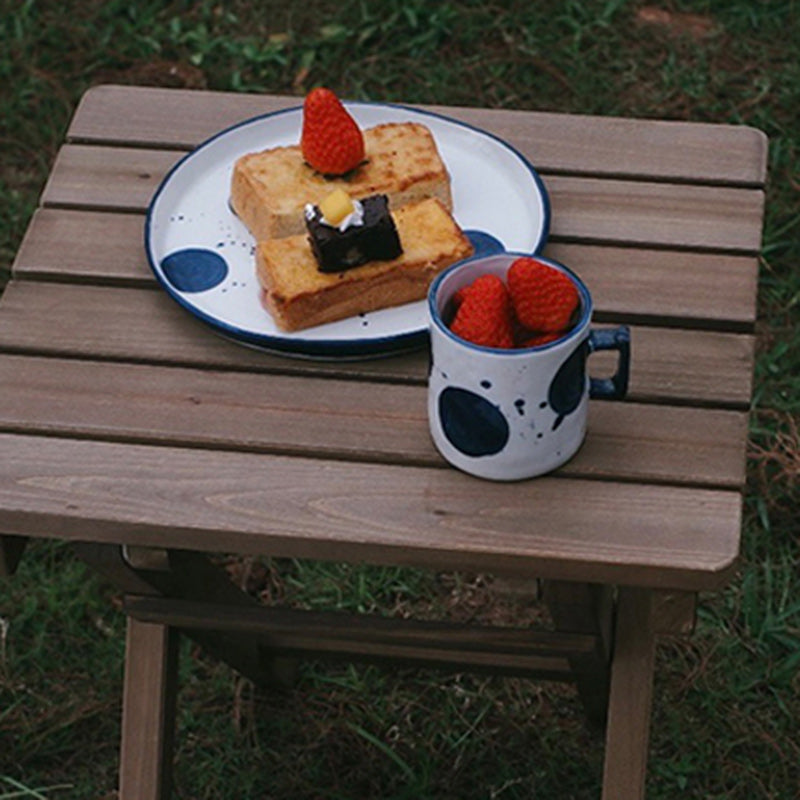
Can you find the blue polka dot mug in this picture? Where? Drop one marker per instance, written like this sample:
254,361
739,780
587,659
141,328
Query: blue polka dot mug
512,414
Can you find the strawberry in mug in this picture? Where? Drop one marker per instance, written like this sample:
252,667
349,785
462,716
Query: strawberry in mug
508,389
536,304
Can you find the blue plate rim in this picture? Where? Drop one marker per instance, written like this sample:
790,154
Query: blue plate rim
326,348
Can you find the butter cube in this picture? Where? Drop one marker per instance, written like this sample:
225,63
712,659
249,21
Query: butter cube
336,206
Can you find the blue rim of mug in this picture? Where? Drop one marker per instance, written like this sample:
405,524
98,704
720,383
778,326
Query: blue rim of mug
579,326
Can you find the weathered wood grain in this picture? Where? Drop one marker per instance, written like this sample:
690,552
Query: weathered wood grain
590,209
672,365
87,246
567,529
101,322
648,214
111,178
585,144
626,283
321,417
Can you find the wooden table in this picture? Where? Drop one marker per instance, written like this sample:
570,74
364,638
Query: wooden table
130,428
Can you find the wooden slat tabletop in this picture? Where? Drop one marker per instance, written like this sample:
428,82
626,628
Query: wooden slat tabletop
697,153
641,283
584,209
123,418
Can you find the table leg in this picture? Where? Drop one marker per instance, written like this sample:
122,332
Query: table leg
148,711
630,699
586,608
190,576
11,549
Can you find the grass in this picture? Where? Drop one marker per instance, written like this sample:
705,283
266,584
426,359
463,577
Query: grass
726,705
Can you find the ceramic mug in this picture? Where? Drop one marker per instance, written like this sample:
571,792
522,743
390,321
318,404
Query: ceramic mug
512,414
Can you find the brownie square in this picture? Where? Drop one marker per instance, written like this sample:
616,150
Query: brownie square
375,240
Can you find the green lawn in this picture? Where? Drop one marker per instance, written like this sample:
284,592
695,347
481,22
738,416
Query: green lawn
727,702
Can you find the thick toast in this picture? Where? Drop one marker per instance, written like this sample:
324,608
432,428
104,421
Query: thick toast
269,189
298,295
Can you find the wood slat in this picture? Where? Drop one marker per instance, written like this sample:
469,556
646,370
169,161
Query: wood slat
113,178
590,209
105,116
645,535
639,284
339,419
626,283
516,651
694,152
102,322
704,367
671,215
87,246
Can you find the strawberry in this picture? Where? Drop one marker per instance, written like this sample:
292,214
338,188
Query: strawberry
331,141
485,316
544,298
458,297
537,339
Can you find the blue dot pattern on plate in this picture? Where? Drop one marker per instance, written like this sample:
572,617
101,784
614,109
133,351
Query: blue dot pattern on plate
484,243
471,423
194,269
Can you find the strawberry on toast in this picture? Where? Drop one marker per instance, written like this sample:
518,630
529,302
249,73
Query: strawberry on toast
269,189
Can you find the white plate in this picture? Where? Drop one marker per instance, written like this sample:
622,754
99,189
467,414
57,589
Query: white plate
202,254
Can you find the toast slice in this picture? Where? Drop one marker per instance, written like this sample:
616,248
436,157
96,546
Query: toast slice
269,189
299,296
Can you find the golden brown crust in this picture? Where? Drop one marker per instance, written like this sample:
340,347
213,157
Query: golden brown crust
299,296
269,189
384,291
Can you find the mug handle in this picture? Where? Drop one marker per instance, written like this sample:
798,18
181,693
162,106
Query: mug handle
619,339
